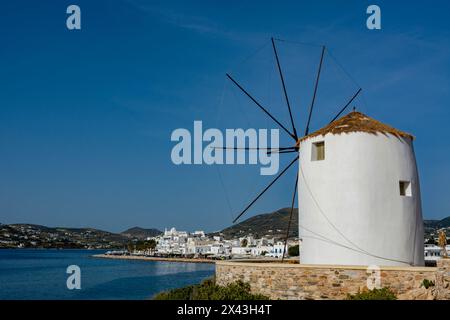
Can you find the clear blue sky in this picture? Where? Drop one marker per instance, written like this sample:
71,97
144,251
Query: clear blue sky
86,116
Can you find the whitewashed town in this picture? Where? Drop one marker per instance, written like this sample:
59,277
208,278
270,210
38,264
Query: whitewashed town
198,244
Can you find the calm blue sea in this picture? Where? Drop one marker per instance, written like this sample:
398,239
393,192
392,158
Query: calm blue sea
41,274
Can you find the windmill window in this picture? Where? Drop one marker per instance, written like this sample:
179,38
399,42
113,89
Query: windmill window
405,188
318,151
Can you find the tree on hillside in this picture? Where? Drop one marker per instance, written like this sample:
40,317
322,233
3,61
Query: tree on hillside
151,245
144,245
244,243
293,251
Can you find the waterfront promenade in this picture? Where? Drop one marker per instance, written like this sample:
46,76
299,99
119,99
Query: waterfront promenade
144,258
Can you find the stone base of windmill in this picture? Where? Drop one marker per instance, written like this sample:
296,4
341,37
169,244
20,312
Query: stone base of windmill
443,279
319,282
419,294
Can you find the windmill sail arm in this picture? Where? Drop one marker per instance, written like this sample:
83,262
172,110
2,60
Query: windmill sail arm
261,107
290,218
311,108
265,189
284,88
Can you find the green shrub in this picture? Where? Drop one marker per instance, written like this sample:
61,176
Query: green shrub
176,294
293,251
427,283
375,294
208,290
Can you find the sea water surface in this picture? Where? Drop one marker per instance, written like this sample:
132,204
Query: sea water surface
41,274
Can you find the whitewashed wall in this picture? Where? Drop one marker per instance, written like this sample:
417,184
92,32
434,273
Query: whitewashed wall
352,199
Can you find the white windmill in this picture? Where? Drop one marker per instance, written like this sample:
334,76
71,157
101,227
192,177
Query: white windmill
358,188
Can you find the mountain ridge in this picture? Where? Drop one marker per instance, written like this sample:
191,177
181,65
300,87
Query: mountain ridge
141,233
432,223
272,224
38,236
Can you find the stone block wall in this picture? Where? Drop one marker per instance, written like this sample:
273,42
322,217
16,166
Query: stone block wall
443,279
295,281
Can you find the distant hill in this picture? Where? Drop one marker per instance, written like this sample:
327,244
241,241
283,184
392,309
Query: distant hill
270,224
37,236
84,232
140,233
437,224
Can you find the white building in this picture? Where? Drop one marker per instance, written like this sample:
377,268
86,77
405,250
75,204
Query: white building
433,252
249,239
172,242
221,249
260,250
276,250
241,251
359,195
200,234
199,246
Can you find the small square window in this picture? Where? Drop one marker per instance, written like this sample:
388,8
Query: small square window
405,188
318,151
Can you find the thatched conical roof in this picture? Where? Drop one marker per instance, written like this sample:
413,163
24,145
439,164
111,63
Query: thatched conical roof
358,122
